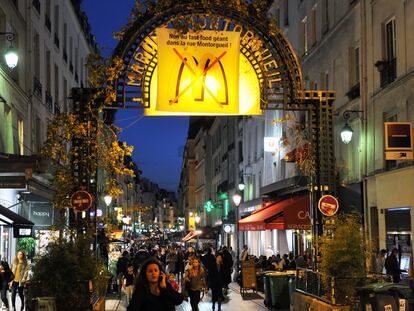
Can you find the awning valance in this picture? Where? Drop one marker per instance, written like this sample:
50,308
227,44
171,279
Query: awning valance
190,235
10,218
291,213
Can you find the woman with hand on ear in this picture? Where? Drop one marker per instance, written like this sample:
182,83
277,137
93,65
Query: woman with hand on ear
152,290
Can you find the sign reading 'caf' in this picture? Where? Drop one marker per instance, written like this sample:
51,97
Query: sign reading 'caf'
81,200
328,205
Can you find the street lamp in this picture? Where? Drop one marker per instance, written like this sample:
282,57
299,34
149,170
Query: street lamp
347,131
10,54
237,200
108,200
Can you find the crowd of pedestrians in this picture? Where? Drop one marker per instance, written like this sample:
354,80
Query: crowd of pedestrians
161,278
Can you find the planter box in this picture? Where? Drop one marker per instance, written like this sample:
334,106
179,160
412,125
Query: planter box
302,302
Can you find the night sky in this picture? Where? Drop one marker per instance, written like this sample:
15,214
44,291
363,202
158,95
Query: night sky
158,141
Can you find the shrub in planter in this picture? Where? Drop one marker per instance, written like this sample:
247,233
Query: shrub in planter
69,272
343,256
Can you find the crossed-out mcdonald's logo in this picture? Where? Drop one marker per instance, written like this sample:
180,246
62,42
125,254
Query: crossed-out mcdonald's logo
198,75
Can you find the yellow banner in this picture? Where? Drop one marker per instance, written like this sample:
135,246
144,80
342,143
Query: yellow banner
198,72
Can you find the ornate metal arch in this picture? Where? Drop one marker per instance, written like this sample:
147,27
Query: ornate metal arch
280,89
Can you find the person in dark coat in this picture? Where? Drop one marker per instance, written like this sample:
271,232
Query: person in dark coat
121,270
216,280
392,267
5,278
152,290
228,266
208,259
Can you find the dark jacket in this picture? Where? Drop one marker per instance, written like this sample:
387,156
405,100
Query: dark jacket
143,300
6,276
392,267
121,265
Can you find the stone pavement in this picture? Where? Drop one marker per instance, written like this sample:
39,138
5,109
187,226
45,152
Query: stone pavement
235,302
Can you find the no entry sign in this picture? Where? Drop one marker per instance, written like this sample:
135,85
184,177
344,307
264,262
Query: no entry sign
328,205
81,200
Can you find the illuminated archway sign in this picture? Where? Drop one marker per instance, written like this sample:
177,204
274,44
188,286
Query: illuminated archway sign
231,65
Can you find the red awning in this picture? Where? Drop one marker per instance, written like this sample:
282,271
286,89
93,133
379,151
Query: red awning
291,213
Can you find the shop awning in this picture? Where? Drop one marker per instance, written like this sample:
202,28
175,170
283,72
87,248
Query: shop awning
291,213
10,218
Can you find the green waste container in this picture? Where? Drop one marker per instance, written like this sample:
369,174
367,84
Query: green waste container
266,285
281,289
385,296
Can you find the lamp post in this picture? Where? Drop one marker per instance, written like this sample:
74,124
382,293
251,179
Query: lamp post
237,198
347,131
10,54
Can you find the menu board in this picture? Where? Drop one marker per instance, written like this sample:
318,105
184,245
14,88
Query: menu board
249,274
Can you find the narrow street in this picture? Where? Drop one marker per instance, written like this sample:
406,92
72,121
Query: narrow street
252,302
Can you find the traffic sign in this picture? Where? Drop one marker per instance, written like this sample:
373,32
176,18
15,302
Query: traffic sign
328,205
81,200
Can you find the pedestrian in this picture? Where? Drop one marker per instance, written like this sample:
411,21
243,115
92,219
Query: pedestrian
392,267
171,260
152,290
217,282
380,261
6,275
20,269
195,278
121,270
173,282
227,267
128,282
269,252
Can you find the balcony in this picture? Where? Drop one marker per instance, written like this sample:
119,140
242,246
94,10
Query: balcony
387,70
48,23
36,5
49,102
354,92
37,87
56,40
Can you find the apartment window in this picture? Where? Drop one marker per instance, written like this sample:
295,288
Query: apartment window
48,71
8,130
304,32
354,87
56,104
388,65
38,134
65,39
56,26
48,23
20,134
313,26
325,16
286,12
71,54
65,95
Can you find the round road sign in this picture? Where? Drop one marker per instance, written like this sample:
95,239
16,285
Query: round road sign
81,200
328,205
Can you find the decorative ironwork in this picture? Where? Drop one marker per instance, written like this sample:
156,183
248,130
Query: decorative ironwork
354,92
388,71
268,52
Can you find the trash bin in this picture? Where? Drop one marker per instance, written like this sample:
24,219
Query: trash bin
280,283
259,282
385,296
266,286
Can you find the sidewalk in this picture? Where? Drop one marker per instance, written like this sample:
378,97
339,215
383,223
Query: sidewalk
251,302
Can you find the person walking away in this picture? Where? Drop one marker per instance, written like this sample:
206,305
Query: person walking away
228,267
392,267
129,279
179,265
217,282
6,276
121,270
20,269
171,261
380,261
195,277
152,290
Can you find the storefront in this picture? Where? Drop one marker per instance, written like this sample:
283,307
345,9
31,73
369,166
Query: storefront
281,225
